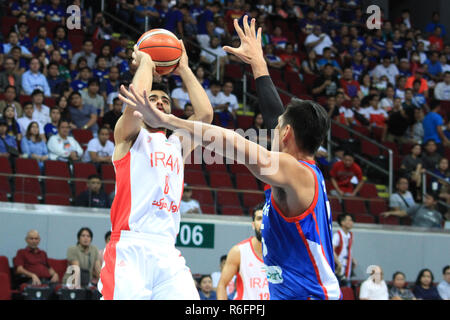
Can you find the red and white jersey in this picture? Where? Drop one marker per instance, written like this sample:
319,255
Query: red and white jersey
149,186
342,242
251,281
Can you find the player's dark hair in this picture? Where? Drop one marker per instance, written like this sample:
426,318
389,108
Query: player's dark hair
342,216
310,123
81,231
258,207
161,87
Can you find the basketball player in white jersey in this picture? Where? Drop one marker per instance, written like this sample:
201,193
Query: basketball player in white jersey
245,260
141,261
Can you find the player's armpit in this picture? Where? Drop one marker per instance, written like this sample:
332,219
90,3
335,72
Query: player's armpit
230,269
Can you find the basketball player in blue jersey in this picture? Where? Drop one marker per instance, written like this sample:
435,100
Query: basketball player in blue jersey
296,226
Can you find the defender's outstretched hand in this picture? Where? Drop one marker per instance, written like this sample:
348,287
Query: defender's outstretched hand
142,106
250,48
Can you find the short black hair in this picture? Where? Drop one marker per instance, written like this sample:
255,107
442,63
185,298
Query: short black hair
107,234
102,128
93,80
161,87
203,277
348,153
433,194
434,104
342,216
36,92
258,207
310,123
223,258
396,274
94,176
81,231
445,269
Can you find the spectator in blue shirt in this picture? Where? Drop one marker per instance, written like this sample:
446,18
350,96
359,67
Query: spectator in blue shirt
142,10
51,128
432,127
38,10
34,79
20,63
33,146
55,12
424,288
327,59
13,41
434,69
82,81
61,43
18,7
435,23
121,50
419,100
207,16
42,33
24,40
111,84
174,20
206,291
101,71
6,140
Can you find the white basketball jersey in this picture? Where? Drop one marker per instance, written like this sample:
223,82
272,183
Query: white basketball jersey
149,186
251,281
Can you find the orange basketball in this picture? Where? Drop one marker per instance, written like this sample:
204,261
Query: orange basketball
164,48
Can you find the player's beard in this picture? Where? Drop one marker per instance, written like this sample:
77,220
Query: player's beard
258,235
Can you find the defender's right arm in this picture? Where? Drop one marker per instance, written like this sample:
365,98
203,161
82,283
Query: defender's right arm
230,269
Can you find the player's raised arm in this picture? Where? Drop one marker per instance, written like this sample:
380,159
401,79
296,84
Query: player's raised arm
230,269
128,125
203,110
250,51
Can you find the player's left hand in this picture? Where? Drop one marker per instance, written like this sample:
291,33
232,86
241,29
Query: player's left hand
144,110
183,64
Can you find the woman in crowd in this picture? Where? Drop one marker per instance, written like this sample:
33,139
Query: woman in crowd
399,291
13,126
33,146
424,288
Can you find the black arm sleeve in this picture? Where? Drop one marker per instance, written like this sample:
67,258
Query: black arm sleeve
269,101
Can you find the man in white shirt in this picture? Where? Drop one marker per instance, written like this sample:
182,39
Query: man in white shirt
99,150
386,68
62,147
444,286
374,288
180,97
318,41
229,98
442,89
215,94
27,117
41,112
215,51
189,205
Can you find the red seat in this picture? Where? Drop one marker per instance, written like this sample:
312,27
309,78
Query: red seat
56,169
80,186
27,185
369,148
109,187
57,199
406,148
377,133
3,197
5,187
234,71
216,167
298,89
285,99
203,196
195,178
208,209
5,287
309,79
347,293
392,146
368,190
25,198
336,207
239,168
192,167
49,102
24,99
83,170
225,198
4,267
5,166
362,130
364,218
305,97
108,172
244,122
355,206
291,77
376,207
389,220
339,132
220,179
59,187
232,211
82,136
59,265
27,166
246,182
252,199
276,75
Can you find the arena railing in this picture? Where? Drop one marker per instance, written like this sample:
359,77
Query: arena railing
434,185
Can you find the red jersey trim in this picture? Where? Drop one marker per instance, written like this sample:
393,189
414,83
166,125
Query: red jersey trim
121,207
107,274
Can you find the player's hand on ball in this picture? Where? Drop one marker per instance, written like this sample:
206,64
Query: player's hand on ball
144,109
183,64
138,56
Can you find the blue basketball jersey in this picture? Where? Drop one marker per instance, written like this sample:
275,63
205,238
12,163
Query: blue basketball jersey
298,251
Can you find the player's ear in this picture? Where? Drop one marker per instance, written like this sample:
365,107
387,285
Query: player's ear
286,133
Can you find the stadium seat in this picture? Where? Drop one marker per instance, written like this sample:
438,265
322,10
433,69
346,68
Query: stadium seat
220,180
276,75
392,146
82,136
58,187
336,207
3,197
4,267
244,122
246,182
368,148
377,133
368,190
5,186
364,218
389,220
5,166
298,89
56,169
225,198
239,168
208,209
339,132
285,99
406,148
377,206
108,172
57,199
250,200
109,187
25,198
216,167
232,211
27,185
195,178
80,186
234,71
27,166
355,206
362,130
291,77
203,197
59,265
347,293
5,287
83,170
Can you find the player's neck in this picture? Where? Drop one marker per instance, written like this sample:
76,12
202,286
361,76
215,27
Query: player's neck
153,130
294,151
257,245
346,230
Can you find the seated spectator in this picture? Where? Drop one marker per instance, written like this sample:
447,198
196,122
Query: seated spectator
365,84
56,83
180,97
332,108
424,288
327,84
33,146
444,286
33,79
13,126
188,111
443,172
111,117
41,112
87,53
81,63
235,12
200,75
206,291
278,39
432,126
399,291
292,60
408,105
434,68
376,116
27,117
342,249
342,177
444,63
63,106
385,68
273,60
84,116
442,89
374,288
62,44
214,94
387,103
51,128
100,71
418,76
42,33
350,86
259,132
20,64
423,215
310,65
82,81
345,113
91,97
328,59
8,77
207,59
10,101
8,144
189,205
111,84
228,104
121,50
397,123
32,262
415,131
13,41
100,149
55,12
20,7
63,71
411,166
94,196
62,147
85,256
402,199
430,158
317,41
